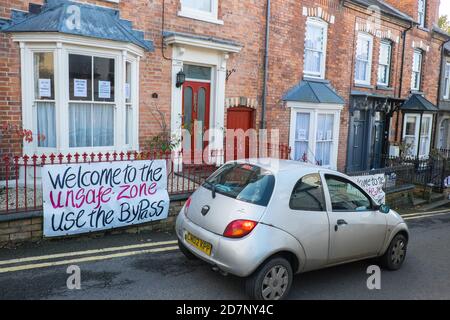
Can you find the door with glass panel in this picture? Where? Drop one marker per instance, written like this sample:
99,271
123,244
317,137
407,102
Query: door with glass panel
91,101
196,103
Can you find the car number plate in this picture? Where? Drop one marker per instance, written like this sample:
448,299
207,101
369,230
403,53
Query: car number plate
200,244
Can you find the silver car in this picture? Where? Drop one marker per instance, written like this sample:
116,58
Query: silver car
267,220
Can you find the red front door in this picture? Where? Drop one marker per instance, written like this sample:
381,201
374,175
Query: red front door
196,106
240,118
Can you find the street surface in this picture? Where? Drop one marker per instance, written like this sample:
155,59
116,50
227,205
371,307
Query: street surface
149,266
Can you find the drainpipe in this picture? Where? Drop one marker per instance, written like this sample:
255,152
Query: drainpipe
405,32
266,71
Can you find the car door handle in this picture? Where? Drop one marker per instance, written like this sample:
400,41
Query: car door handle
340,222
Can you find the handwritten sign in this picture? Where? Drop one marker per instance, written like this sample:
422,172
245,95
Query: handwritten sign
373,185
81,198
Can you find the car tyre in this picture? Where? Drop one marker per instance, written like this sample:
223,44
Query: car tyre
271,281
189,255
395,255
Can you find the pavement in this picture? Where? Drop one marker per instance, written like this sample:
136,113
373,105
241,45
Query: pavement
150,266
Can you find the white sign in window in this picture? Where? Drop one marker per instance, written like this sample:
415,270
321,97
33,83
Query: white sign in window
45,88
104,89
80,88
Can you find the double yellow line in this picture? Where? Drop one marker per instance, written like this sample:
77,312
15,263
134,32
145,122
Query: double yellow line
421,215
86,256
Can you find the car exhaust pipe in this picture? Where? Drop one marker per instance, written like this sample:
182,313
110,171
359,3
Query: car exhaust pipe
217,269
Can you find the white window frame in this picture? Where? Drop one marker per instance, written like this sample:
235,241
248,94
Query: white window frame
421,12
211,17
324,26
386,44
61,47
368,77
417,133
443,140
314,111
417,53
447,81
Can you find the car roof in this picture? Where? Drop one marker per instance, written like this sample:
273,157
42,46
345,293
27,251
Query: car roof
277,166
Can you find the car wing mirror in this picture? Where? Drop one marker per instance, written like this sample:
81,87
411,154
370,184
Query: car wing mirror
384,208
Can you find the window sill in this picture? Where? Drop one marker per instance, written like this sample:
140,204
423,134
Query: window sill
200,17
364,85
384,88
416,91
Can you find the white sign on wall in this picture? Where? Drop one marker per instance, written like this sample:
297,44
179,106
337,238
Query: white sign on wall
81,198
373,185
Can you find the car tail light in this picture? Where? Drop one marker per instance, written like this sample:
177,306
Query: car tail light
239,228
186,206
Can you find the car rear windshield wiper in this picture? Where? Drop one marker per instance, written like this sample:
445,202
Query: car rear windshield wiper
213,188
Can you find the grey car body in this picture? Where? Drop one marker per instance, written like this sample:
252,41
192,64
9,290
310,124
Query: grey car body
312,240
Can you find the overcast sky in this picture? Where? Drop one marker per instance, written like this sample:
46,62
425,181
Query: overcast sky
445,7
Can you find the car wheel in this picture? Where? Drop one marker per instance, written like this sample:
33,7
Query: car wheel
272,281
189,255
395,254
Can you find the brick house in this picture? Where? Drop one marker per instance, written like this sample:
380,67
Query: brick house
338,73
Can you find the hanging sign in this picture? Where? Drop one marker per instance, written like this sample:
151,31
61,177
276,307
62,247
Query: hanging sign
80,198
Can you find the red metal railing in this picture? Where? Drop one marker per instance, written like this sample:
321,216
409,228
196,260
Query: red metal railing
20,183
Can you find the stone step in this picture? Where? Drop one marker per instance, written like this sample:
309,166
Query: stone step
435,205
437,197
419,201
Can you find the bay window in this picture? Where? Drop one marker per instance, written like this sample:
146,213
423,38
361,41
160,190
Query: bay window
315,48
206,10
416,70
314,135
363,65
417,135
384,65
80,98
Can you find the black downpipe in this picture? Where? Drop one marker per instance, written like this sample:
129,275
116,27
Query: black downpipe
266,66
402,69
403,60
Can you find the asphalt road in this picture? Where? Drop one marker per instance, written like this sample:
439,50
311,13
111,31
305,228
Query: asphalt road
168,275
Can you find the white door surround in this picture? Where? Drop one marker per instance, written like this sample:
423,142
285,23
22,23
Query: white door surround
206,53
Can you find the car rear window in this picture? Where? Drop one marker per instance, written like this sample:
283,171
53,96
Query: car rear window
243,182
